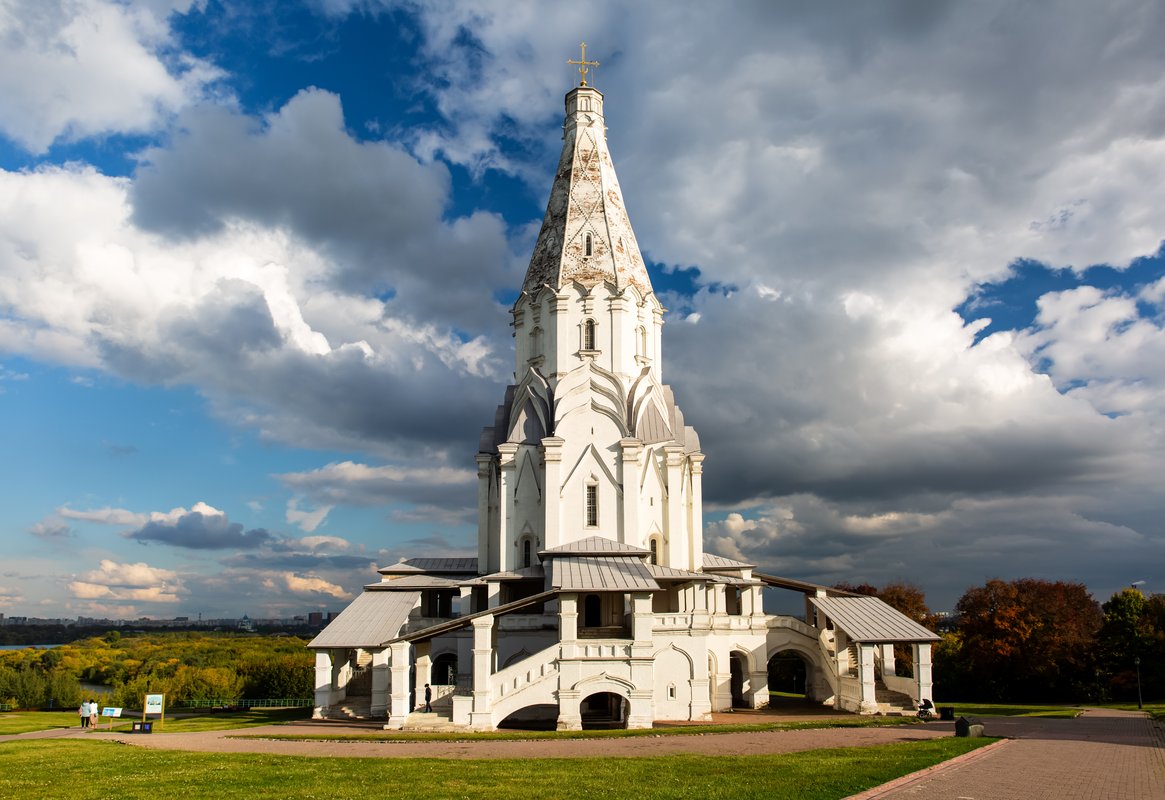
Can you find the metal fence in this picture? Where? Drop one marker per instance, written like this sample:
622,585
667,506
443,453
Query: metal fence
285,702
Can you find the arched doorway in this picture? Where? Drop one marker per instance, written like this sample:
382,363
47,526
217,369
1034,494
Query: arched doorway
739,669
592,611
444,670
788,679
603,711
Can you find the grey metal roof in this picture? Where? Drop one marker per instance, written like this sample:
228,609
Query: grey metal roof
417,581
601,573
372,619
594,546
801,586
411,566
868,619
720,562
522,573
659,571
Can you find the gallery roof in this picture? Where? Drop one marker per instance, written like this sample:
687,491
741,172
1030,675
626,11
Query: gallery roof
372,619
869,620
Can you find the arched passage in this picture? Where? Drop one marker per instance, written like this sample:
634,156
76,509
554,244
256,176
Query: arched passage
788,678
738,666
444,670
603,711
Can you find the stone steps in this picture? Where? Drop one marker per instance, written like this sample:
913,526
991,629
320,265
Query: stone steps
431,722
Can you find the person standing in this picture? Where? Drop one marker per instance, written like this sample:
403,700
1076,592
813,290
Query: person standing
428,699
84,712
93,706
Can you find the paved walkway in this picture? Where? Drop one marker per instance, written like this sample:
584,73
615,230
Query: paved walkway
1101,755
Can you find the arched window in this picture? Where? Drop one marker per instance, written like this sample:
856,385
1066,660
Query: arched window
525,552
654,545
588,331
588,246
642,341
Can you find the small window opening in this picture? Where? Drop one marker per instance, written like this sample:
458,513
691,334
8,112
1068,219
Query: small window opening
589,335
526,553
592,506
588,247
654,551
671,691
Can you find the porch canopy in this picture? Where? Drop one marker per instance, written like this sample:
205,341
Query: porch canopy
868,620
373,618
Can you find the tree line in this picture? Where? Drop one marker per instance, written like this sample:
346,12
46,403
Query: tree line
186,667
1033,640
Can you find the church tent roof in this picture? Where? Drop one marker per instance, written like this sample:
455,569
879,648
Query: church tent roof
601,573
868,619
372,619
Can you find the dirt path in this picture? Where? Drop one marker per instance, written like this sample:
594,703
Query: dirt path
754,743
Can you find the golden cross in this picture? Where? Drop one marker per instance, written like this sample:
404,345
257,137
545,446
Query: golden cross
583,64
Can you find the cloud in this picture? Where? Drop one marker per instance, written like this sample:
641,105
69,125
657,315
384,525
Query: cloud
105,516
51,528
120,582
310,585
10,596
306,520
202,528
72,69
351,483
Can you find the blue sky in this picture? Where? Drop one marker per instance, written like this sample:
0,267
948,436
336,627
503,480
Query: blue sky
256,258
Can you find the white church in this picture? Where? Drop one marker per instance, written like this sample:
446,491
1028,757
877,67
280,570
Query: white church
591,601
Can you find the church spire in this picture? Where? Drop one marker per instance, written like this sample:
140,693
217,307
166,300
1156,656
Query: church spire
586,235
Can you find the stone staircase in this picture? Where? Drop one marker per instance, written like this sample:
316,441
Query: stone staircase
892,703
438,720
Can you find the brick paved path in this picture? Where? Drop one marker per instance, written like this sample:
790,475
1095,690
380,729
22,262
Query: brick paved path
1102,755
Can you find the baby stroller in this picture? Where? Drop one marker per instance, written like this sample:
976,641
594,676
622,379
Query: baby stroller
926,709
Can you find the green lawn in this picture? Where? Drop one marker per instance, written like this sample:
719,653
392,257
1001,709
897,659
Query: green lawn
1009,710
179,722
50,769
1157,710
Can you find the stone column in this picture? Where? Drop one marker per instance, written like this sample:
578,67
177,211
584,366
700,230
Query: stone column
399,690
697,520
869,702
380,682
558,342
484,529
922,670
324,684
568,624
642,624
622,357
506,477
481,717
552,491
677,544
630,464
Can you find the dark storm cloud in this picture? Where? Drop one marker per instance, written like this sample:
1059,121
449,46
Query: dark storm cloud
198,531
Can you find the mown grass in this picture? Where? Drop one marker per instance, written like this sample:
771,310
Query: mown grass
1156,710
1009,710
510,735
178,722
52,769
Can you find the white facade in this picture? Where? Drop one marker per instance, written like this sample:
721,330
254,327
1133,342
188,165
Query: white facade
592,597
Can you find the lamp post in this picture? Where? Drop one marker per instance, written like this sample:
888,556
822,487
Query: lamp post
1137,664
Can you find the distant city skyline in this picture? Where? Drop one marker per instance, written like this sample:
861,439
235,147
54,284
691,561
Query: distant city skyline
256,265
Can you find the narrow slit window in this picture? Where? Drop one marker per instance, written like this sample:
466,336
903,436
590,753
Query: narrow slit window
592,506
526,553
654,551
588,245
588,335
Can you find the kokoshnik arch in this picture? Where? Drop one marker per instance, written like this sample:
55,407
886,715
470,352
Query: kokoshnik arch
591,598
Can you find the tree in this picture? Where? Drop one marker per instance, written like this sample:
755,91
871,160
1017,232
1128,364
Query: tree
1134,627
1027,639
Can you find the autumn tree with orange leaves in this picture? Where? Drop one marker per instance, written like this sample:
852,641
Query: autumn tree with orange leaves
1026,640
